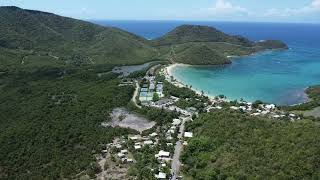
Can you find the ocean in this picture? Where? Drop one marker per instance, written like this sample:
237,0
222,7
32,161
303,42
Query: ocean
278,77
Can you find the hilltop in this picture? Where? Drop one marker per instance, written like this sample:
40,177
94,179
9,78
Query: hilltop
32,37
196,33
218,45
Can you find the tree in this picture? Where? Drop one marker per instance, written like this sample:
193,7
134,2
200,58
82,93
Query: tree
155,97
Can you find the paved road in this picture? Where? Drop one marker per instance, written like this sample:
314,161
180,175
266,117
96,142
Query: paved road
176,164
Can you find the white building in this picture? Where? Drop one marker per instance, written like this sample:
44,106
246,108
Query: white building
124,151
161,175
120,155
162,154
188,134
176,122
149,142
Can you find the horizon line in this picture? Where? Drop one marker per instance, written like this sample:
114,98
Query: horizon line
219,21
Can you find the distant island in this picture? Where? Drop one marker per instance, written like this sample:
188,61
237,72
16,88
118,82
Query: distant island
28,35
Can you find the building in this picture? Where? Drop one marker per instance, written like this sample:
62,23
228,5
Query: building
188,134
135,138
161,175
153,134
120,155
176,122
159,87
149,142
144,90
152,86
124,151
143,96
192,110
162,154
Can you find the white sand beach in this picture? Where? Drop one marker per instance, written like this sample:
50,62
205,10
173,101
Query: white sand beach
177,82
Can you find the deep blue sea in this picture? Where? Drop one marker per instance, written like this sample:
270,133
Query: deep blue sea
278,77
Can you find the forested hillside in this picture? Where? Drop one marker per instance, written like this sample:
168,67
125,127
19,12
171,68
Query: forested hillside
238,146
50,121
38,36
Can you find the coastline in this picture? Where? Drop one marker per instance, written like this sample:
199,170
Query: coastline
169,72
177,82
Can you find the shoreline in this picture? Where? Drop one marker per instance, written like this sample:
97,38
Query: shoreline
177,82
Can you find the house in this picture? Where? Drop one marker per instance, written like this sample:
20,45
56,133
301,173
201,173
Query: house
234,108
161,175
129,160
169,138
162,153
124,151
120,155
135,138
256,114
153,134
176,122
149,142
164,102
191,109
188,134
185,143
137,147
270,106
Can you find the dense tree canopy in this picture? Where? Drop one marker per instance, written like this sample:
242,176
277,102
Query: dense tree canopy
239,146
51,120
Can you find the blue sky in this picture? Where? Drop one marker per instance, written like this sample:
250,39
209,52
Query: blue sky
206,10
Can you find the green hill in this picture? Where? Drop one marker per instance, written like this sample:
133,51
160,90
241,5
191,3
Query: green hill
67,40
193,33
35,39
202,54
271,44
218,45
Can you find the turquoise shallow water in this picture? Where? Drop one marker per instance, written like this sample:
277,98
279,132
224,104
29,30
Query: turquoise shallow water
278,77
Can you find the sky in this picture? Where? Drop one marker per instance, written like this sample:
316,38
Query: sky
294,11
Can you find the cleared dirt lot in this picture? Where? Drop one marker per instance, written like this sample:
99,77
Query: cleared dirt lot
123,118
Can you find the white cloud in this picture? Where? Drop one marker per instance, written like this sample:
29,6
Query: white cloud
313,7
315,4
223,7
